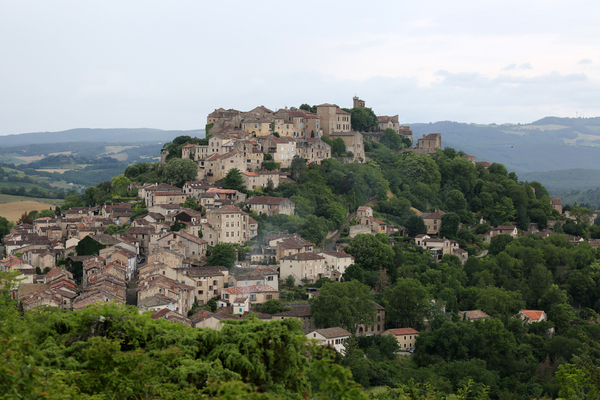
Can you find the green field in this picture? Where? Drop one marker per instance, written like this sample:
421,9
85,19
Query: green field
7,198
11,159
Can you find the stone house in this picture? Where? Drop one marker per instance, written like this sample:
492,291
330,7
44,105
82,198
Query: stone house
166,197
183,294
385,122
302,313
228,194
337,261
253,180
504,230
252,154
376,329
271,205
205,319
307,266
170,258
209,282
472,315
313,150
257,294
406,337
172,316
246,280
333,119
290,245
217,166
241,305
556,204
227,224
333,337
431,142
433,221
530,316
282,149
354,143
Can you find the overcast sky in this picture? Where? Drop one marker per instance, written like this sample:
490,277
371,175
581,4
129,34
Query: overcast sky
167,64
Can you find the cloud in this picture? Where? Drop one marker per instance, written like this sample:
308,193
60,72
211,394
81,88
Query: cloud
510,67
525,66
585,61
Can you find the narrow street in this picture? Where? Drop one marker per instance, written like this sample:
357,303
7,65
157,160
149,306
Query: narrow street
131,295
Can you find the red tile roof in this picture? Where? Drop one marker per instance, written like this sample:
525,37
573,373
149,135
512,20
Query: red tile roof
404,331
534,315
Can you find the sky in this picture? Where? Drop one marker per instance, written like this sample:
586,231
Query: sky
166,65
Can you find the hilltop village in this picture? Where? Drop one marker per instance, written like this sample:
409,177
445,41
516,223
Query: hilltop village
353,228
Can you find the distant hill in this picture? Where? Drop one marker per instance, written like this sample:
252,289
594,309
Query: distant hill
565,180
117,135
549,144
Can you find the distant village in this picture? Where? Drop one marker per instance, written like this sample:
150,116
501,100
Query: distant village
165,272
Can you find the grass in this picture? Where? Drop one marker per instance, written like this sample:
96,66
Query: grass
117,149
11,159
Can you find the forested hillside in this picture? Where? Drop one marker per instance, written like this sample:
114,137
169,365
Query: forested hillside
97,352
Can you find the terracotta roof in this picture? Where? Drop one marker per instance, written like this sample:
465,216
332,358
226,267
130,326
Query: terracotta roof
239,300
249,289
338,254
303,311
404,331
266,200
219,190
258,315
534,315
206,271
433,215
223,315
304,257
331,333
473,314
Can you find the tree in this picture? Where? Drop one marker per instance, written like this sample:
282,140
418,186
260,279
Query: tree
5,226
234,180
408,303
450,224
179,171
370,253
391,139
415,225
272,306
344,304
222,254
177,226
314,229
73,200
298,168
499,302
290,281
48,213
190,202
363,119
338,147
24,219
455,200
499,243
120,184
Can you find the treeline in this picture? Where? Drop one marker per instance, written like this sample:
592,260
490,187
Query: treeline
114,352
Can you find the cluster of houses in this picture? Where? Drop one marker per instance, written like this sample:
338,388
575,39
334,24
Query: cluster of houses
246,139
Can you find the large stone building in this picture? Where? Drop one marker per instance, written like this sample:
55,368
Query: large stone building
333,119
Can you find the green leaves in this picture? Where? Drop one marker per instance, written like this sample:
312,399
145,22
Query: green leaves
343,304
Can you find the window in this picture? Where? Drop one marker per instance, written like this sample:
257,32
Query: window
200,291
199,284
